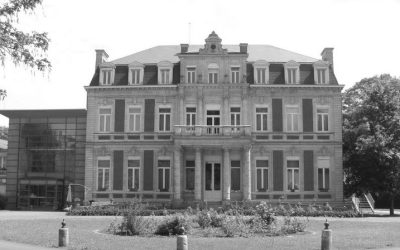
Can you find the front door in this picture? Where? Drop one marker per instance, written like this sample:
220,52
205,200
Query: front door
212,185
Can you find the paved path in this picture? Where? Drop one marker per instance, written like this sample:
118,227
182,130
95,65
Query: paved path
8,245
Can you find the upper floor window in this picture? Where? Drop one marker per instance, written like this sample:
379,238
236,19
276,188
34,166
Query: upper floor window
292,72
261,72
190,116
164,72
235,117
321,72
292,119
235,74
136,71
3,162
191,74
134,114
323,173
105,119
293,175
213,73
164,119
261,118
107,71
322,119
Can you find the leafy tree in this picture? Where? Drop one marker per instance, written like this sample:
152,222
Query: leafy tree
17,45
371,137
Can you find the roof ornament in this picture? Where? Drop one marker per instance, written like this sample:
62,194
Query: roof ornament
213,45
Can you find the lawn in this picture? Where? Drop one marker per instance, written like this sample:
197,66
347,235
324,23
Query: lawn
354,233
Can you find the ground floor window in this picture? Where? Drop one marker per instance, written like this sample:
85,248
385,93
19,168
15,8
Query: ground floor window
103,174
235,175
190,166
262,175
163,175
293,177
323,174
133,174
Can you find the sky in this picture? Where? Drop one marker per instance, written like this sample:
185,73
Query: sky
365,35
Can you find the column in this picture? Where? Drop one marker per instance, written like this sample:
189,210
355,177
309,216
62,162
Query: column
177,173
197,175
199,111
227,176
245,112
247,173
225,111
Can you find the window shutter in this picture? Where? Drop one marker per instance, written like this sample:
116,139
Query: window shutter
277,117
149,105
118,170
278,170
148,165
308,121
119,116
308,170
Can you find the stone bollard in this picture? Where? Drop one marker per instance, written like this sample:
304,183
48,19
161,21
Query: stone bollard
63,235
326,238
181,240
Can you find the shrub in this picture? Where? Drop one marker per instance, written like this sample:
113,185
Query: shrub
236,226
173,225
3,201
266,213
204,218
292,225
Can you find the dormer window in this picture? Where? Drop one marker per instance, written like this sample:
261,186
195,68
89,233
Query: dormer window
235,74
107,71
135,73
292,72
191,74
321,72
261,72
164,72
213,73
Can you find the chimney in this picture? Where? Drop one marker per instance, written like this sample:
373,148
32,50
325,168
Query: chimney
327,55
101,56
184,47
243,47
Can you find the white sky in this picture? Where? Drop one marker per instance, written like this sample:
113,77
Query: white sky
364,33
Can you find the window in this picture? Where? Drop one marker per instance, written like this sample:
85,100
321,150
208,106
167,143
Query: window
191,74
163,175
322,119
262,175
235,175
190,165
133,174
323,173
165,72
321,72
262,119
292,72
293,177
164,119
235,75
134,114
261,72
292,119
103,174
212,77
106,76
3,160
105,119
190,117
235,118
135,76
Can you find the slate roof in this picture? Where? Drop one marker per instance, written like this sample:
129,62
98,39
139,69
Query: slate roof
256,52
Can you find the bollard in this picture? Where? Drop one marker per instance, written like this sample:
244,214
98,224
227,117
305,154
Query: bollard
181,240
63,235
326,237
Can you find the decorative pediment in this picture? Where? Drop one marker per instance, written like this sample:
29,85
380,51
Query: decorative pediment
135,64
260,63
323,100
213,45
323,151
163,151
103,151
293,151
292,64
293,100
105,102
107,65
164,64
321,64
133,151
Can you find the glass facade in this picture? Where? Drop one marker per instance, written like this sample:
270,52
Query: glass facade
50,155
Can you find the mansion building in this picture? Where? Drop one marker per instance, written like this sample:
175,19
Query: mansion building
192,123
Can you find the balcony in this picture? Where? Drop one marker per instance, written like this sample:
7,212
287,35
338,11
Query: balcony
212,130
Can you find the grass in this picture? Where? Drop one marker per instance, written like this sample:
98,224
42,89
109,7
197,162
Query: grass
355,233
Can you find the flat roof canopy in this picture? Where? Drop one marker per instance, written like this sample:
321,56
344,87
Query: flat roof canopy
17,113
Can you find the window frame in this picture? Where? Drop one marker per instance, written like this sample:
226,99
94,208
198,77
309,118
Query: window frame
255,119
192,71
293,188
163,174
128,120
261,65
165,120
287,118
161,67
292,65
213,69
328,167
323,130
263,169
134,158
235,74
135,66
240,173
186,175
99,119
321,65
103,158
192,117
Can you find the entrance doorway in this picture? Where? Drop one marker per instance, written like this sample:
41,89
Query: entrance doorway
212,185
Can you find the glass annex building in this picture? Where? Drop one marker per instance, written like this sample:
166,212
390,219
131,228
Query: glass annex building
46,153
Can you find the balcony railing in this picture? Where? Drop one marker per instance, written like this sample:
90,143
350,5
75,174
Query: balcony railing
208,130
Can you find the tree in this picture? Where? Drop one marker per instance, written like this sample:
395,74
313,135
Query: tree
21,47
371,137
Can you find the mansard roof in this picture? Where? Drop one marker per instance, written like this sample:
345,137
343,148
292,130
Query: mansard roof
256,52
